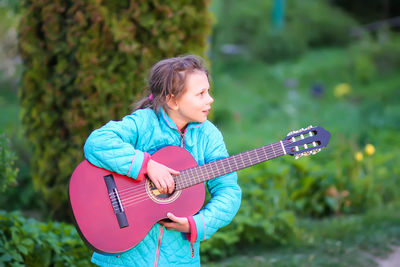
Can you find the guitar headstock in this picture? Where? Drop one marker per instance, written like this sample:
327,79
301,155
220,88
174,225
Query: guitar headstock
305,142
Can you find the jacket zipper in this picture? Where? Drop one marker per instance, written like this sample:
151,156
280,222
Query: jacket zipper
182,138
160,234
191,245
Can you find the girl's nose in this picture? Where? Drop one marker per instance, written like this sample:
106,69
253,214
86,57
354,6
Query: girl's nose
210,99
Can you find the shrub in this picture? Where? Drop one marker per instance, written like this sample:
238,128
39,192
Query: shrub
86,63
264,217
8,172
27,242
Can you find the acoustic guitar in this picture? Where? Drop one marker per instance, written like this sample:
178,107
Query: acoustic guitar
113,212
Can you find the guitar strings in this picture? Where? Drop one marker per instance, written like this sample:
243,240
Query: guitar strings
128,188
199,171
137,188
132,190
206,174
194,172
132,198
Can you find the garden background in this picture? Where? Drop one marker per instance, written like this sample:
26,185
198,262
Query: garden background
276,66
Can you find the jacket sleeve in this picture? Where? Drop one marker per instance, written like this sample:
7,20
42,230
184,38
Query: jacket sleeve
112,147
225,194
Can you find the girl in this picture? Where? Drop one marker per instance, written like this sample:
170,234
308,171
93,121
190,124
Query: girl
174,113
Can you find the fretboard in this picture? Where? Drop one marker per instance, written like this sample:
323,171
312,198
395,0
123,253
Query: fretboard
211,170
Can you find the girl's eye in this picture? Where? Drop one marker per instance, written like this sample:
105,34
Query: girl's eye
202,93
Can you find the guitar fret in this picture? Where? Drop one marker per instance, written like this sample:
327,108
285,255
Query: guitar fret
188,175
217,171
234,160
223,167
196,174
258,156
204,174
228,166
213,168
277,147
248,155
185,179
191,172
273,150
241,157
199,175
265,153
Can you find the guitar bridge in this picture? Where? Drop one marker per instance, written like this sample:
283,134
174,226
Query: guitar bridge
116,201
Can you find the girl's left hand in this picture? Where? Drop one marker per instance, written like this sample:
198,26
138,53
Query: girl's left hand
179,224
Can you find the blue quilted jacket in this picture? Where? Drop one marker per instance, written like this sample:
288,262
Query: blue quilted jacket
119,146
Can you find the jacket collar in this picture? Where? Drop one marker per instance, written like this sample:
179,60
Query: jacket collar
162,114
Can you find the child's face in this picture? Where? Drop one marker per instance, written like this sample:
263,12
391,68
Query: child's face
195,103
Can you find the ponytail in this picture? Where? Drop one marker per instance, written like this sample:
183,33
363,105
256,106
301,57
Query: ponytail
143,103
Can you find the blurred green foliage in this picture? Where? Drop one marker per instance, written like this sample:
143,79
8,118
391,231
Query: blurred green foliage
85,63
248,25
327,87
20,194
8,171
352,240
28,242
264,218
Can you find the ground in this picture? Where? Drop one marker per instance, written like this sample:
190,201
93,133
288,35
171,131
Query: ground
392,261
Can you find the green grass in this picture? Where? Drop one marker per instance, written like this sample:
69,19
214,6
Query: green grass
353,240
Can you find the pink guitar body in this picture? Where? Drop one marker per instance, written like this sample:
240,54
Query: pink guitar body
143,206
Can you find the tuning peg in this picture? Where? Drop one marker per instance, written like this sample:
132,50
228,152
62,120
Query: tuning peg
307,153
292,132
315,151
300,130
297,156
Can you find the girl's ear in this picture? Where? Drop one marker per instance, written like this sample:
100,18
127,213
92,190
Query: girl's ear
171,102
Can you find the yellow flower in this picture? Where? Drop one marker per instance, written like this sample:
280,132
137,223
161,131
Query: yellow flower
369,149
341,90
359,156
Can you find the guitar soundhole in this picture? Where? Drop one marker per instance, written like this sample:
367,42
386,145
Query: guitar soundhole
158,197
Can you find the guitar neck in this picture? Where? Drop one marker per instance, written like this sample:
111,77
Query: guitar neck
211,170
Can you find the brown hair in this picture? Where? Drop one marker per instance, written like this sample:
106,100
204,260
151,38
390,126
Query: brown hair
167,77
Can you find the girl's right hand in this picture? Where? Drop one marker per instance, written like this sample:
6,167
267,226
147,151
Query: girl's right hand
161,176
